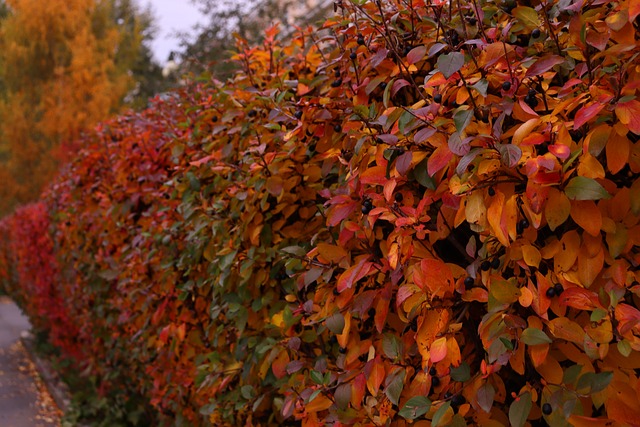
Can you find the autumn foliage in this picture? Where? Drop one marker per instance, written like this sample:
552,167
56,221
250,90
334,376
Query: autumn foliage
426,213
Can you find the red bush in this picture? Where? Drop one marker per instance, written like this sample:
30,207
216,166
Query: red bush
433,219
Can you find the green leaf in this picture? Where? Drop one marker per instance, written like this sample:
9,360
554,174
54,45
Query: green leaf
422,175
534,336
481,86
485,396
316,377
437,417
394,389
461,119
624,347
415,407
343,396
527,16
335,323
450,63
519,410
583,188
593,383
509,154
462,373
507,343
391,346
571,374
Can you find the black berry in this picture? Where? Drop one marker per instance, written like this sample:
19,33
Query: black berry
551,292
495,264
532,93
336,83
298,114
252,113
336,73
433,371
437,99
367,206
435,381
398,197
535,33
361,40
469,282
531,101
506,86
524,223
547,409
342,350
485,266
558,288
457,400
353,56
383,85
492,191
543,269
337,128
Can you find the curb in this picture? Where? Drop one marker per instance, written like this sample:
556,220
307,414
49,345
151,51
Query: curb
56,387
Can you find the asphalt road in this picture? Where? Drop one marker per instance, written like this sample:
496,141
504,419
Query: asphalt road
24,401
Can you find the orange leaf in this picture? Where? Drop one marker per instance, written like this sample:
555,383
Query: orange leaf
354,273
618,149
439,159
629,114
435,277
587,215
375,376
496,218
581,421
279,365
320,403
566,329
433,322
580,298
590,267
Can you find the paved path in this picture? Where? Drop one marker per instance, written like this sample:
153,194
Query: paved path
24,401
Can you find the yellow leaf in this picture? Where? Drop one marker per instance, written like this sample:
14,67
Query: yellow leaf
566,329
531,255
557,208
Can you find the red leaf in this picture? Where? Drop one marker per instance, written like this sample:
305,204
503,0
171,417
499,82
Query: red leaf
416,54
397,85
544,64
353,274
586,113
580,298
403,162
439,159
629,114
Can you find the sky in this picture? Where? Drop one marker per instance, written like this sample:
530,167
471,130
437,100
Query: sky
171,16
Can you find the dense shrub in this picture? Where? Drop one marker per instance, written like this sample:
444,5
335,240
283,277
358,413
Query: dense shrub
433,219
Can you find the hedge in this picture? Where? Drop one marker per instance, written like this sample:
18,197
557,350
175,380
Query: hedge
425,213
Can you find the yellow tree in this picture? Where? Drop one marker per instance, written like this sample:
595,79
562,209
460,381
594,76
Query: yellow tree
59,76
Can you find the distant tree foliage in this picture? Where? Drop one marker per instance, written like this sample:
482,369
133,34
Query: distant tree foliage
213,43
64,66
